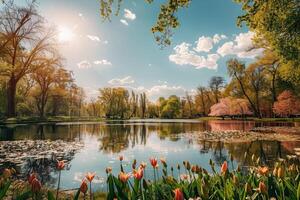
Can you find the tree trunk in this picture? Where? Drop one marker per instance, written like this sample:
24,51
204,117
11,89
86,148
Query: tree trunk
11,97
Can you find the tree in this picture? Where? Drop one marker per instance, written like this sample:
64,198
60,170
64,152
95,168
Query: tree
276,23
215,84
287,104
230,107
24,40
237,71
143,104
171,109
189,100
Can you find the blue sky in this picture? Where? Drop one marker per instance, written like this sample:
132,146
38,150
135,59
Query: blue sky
125,54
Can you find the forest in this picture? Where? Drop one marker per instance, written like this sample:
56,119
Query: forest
34,81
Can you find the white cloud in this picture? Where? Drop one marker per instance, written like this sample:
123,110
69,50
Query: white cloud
84,64
204,44
129,14
93,38
80,14
121,81
102,62
217,38
242,47
184,56
123,21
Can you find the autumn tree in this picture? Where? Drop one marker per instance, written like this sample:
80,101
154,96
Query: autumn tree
24,41
287,104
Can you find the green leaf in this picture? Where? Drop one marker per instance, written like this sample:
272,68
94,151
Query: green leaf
50,195
76,197
298,191
4,190
24,196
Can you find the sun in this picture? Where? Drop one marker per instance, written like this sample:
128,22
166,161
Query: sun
65,34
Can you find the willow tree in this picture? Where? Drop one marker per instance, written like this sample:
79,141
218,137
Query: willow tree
24,41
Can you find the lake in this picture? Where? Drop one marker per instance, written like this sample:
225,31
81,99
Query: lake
100,144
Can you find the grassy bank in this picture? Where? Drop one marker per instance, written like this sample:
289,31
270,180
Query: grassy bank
57,119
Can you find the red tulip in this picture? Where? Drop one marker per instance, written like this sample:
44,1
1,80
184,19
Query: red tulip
224,167
60,165
262,187
138,174
121,158
90,176
178,194
83,187
153,162
36,185
31,177
124,177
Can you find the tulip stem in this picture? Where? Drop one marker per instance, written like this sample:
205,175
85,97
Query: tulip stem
154,174
91,197
58,184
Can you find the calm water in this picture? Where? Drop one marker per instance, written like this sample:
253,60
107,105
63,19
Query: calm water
174,140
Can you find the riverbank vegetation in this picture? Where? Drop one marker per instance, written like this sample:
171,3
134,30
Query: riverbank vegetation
35,83
193,182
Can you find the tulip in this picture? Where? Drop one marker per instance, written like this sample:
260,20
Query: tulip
83,187
124,177
184,176
280,172
60,165
31,177
138,174
7,173
153,162
90,176
178,194
263,170
194,168
248,188
262,187
121,158
143,165
108,170
224,167
163,161
36,185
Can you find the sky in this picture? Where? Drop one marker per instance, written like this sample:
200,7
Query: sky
123,52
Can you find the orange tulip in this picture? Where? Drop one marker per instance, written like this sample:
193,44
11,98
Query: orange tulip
124,177
138,174
31,177
36,185
263,170
6,173
121,158
143,165
153,162
262,187
163,161
83,187
90,176
178,194
280,172
184,176
60,165
108,170
224,167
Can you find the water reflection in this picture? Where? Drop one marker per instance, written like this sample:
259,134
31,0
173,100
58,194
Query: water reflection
176,141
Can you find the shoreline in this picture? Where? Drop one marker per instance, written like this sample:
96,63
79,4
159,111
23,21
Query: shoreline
62,119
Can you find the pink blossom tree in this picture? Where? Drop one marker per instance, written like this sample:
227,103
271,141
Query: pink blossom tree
287,104
230,107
